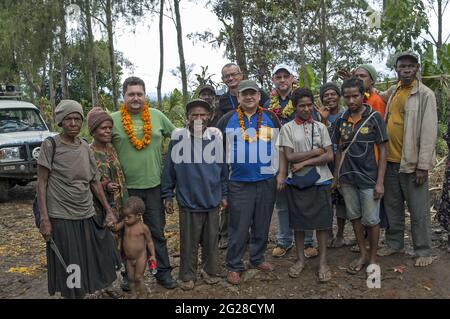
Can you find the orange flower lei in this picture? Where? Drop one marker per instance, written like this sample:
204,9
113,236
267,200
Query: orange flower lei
128,126
245,136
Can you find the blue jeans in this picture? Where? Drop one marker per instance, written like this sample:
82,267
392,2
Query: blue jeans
285,235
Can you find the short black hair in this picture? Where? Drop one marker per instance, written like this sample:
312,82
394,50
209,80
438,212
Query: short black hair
132,80
301,93
136,205
353,82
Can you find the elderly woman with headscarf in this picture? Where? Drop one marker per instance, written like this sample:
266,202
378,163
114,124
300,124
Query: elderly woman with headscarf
100,125
67,180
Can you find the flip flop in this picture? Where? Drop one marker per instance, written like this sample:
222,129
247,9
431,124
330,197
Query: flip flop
334,245
353,270
295,270
326,276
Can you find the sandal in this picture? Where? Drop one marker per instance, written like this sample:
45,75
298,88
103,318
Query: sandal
295,270
355,267
333,243
324,276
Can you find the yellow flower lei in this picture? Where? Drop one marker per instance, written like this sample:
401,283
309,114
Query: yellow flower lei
275,104
128,126
245,136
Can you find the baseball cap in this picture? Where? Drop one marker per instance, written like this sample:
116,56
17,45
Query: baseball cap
247,85
407,54
198,102
282,66
207,87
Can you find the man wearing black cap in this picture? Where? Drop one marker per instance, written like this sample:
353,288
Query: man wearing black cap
251,132
207,93
199,174
411,121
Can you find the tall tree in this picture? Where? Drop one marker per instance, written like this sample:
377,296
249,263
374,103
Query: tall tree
161,52
87,10
63,51
107,5
323,41
176,5
239,38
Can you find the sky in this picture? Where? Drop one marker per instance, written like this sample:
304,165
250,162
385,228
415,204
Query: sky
142,46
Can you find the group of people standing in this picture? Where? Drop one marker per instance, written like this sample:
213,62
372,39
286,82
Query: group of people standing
240,156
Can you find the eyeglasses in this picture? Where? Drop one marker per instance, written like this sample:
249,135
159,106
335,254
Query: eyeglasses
231,75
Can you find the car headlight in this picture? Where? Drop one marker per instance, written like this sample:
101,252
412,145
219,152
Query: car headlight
10,154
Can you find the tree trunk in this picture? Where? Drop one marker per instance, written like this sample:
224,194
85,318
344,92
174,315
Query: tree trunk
180,50
112,58
161,53
91,53
301,43
63,54
239,39
323,41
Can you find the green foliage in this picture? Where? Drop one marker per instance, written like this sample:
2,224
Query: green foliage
441,144
312,80
78,72
402,23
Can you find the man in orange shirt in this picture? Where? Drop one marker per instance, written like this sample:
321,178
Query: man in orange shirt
368,74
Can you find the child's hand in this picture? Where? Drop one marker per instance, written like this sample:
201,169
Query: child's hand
151,261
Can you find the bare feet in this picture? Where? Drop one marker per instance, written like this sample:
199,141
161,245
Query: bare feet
423,261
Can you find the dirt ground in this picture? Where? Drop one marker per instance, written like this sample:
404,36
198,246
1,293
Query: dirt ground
23,266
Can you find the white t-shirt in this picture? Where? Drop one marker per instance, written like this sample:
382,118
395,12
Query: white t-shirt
298,137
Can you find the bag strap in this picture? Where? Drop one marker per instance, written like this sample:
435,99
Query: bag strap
352,141
52,140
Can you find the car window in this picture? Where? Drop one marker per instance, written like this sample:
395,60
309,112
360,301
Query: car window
18,120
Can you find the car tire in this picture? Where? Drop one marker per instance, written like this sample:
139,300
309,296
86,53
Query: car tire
4,188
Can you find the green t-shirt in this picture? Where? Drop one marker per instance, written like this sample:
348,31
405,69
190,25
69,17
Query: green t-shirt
142,168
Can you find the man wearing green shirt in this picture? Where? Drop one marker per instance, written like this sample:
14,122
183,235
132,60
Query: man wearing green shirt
138,133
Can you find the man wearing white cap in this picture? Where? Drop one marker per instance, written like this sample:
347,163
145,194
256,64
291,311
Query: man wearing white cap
281,105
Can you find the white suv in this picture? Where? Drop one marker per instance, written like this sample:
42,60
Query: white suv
22,130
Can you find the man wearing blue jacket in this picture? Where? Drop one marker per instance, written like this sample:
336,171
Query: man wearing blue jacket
195,167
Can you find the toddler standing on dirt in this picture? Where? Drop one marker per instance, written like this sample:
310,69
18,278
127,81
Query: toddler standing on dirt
137,240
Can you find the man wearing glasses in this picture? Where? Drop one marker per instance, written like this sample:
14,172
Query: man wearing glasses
232,76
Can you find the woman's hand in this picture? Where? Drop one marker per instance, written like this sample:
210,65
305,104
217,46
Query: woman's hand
110,218
297,166
112,187
46,228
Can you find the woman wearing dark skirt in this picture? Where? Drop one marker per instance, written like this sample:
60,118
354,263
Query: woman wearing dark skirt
307,145
444,208
67,180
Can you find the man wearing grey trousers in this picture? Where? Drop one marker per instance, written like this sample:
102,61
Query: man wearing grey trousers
195,167
411,121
